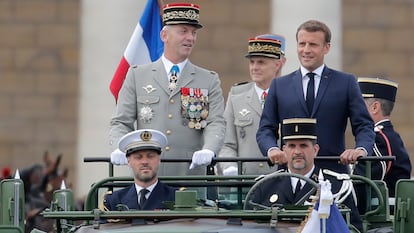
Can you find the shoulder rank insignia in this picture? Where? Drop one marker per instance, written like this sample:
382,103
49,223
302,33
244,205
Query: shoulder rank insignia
241,83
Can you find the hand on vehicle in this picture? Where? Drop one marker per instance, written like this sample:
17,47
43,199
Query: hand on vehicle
201,157
231,171
118,157
350,156
277,156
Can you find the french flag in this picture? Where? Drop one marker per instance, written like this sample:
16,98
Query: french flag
144,46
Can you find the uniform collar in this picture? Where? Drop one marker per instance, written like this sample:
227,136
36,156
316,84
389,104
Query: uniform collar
168,64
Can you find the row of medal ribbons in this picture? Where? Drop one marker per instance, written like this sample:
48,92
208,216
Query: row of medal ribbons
194,106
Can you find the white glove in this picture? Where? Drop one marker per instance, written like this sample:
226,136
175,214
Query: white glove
118,157
201,157
231,171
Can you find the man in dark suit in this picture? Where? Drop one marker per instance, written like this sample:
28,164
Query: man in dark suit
142,149
316,91
379,95
300,136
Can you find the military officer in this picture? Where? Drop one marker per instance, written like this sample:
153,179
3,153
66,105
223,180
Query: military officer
174,96
245,101
379,95
142,148
300,150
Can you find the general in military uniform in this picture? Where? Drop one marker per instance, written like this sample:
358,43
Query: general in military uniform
245,102
174,96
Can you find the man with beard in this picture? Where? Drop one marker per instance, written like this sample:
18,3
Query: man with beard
142,149
300,150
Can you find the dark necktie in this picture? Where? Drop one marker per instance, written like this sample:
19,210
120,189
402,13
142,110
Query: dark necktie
142,198
297,188
310,92
173,78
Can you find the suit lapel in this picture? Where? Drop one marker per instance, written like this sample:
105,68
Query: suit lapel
298,86
156,195
131,198
160,76
286,191
323,86
253,101
307,187
186,76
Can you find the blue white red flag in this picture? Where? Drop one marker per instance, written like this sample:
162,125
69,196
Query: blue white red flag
335,223
325,216
144,46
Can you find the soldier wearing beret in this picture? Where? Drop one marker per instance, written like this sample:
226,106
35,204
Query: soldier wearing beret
379,95
174,96
143,150
301,148
245,103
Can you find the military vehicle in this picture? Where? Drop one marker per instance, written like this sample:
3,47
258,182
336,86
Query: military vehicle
231,211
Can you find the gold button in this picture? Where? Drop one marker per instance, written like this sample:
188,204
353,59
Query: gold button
167,148
172,101
170,115
260,164
168,132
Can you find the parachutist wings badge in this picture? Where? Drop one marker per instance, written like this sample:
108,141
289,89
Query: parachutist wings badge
149,89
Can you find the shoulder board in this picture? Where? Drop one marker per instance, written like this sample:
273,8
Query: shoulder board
241,83
241,88
213,72
134,66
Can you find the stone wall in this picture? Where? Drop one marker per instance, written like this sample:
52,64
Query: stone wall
378,43
39,68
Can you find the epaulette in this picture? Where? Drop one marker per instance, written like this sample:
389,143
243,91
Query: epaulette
240,88
134,66
241,83
213,72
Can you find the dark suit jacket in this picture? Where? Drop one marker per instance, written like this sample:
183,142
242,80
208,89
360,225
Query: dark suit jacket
338,99
400,168
283,188
128,196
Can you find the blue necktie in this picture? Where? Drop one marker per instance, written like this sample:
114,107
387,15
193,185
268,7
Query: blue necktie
310,92
173,78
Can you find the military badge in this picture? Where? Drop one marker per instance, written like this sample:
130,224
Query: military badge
273,198
194,107
146,114
244,112
149,89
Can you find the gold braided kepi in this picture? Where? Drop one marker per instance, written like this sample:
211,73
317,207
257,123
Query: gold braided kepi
181,13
